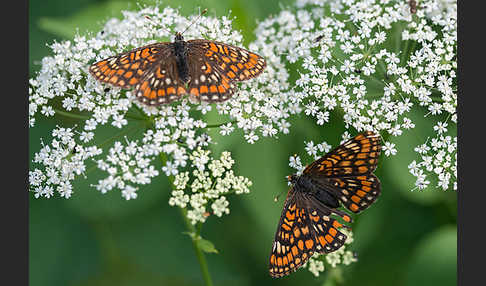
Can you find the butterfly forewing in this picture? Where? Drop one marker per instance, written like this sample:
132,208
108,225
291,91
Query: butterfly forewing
127,69
294,242
215,66
356,156
305,227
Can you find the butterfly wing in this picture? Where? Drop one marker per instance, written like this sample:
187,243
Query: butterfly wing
325,228
357,156
215,66
305,227
150,69
127,69
357,193
293,243
346,171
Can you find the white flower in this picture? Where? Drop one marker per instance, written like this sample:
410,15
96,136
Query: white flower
389,149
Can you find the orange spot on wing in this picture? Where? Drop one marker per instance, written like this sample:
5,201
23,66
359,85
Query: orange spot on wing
360,193
295,251
153,94
333,231
145,53
353,207
362,169
113,79
300,244
213,47
161,92
289,215
213,89
195,91
336,224
128,74
309,243
171,90
221,89
322,240
296,232
329,238
133,81
181,90
203,89
355,199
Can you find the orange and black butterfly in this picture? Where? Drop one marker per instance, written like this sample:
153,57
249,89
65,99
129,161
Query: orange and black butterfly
163,72
342,176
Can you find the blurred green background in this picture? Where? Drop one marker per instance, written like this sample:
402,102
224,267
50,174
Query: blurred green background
405,238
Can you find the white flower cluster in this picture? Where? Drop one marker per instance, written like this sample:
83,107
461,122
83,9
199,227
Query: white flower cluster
316,264
438,159
61,160
171,131
207,185
349,55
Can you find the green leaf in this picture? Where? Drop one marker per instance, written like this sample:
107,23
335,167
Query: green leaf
88,19
206,245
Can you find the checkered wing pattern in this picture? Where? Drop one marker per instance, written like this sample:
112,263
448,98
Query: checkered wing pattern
357,156
305,227
214,67
357,193
150,69
348,169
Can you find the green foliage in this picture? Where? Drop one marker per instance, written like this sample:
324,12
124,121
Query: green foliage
406,238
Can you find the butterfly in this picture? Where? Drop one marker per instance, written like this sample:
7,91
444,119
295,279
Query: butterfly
163,72
342,176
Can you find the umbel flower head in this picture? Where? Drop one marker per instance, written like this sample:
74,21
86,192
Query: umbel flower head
175,134
374,61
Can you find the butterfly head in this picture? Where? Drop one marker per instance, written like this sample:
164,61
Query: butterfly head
179,37
292,178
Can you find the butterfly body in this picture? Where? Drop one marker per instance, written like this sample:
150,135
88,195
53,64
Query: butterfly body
341,177
180,51
163,72
311,187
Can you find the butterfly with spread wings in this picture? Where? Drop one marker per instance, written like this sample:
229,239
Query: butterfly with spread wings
342,176
163,72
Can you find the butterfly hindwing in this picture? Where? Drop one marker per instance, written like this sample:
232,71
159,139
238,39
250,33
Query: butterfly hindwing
357,156
357,193
161,83
325,228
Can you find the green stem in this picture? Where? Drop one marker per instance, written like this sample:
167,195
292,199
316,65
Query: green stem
194,236
199,253
72,115
219,125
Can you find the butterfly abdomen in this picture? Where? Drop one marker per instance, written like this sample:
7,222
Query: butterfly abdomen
181,60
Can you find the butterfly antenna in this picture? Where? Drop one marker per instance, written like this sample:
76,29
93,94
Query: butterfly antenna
155,24
195,20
